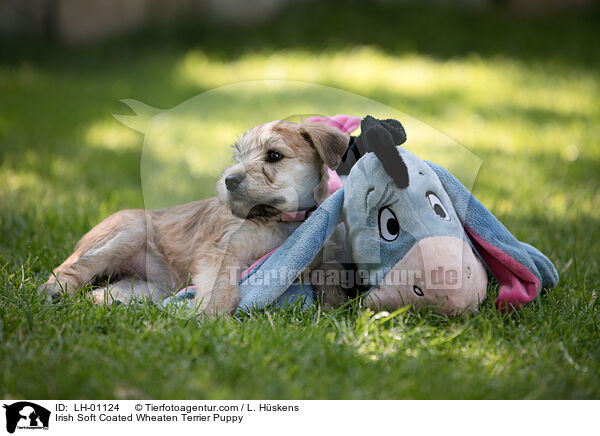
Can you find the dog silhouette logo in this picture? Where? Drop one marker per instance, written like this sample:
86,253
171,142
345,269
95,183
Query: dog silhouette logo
26,415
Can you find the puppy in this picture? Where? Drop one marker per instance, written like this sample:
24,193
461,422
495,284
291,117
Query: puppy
280,167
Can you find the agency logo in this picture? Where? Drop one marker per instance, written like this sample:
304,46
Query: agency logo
26,415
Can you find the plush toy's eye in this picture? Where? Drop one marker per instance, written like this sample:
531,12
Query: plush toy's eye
274,156
437,206
389,228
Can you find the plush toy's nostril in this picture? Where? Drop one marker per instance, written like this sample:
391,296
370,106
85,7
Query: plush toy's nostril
233,181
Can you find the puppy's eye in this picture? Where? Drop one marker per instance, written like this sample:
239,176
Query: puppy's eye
389,227
437,206
274,156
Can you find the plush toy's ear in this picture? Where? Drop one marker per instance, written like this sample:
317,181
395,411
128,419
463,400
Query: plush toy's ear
269,281
521,270
393,127
386,152
380,141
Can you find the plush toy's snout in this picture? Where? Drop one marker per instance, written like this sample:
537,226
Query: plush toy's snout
439,271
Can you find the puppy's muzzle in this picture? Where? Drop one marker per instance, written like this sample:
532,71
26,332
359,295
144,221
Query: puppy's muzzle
233,181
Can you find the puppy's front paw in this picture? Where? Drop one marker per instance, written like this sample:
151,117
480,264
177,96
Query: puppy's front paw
52,289
102,296
219,304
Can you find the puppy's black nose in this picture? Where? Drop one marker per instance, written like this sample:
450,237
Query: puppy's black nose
233,181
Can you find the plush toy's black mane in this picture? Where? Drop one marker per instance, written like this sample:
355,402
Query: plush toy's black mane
380,137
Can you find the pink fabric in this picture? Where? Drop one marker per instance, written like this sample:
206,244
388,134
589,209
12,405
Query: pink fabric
518,285
334,181
255,264
293,217
346,123
188,288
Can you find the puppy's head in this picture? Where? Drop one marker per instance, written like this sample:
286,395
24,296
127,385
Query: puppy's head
281,166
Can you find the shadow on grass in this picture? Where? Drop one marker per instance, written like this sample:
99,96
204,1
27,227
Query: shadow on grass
395,28
93,78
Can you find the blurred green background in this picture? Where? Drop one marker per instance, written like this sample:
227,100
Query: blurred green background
520,90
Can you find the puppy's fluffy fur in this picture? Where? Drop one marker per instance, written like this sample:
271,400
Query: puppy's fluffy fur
280,166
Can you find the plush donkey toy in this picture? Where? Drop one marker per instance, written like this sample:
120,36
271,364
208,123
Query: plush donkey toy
414,233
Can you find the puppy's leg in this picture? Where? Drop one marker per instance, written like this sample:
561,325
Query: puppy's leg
216,278
335,292
127,290
339,281
101,251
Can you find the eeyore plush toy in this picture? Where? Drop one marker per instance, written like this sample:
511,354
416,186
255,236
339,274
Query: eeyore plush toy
411,231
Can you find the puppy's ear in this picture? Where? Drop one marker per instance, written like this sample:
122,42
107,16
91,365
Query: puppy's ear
330,142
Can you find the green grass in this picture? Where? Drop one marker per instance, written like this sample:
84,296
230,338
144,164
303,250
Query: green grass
521,93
